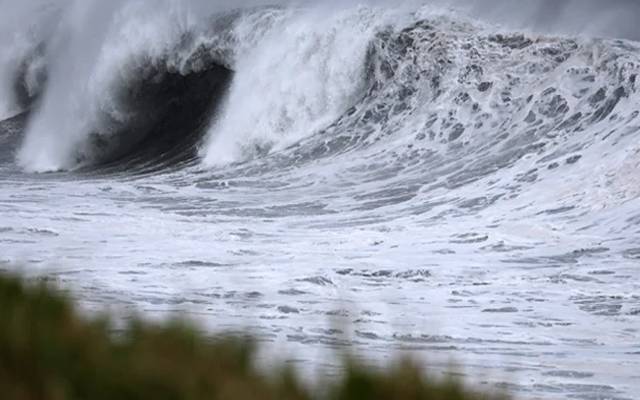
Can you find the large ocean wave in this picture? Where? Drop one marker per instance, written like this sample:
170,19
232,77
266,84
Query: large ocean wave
351,74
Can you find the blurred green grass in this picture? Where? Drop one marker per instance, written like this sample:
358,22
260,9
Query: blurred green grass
48,351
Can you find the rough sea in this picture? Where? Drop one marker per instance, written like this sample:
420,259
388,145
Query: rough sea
456,181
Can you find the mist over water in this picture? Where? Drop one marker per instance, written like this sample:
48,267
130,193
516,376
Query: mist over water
454,179
596,18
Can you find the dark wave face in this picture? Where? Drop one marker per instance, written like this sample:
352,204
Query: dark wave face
420,176
171,114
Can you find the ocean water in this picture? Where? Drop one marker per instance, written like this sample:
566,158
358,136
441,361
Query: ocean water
430,179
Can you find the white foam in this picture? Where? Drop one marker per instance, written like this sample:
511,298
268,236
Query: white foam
305,72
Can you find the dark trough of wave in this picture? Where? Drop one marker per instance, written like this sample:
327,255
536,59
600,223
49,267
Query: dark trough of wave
171,112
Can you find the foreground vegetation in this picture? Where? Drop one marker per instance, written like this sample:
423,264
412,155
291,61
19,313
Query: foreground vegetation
48,351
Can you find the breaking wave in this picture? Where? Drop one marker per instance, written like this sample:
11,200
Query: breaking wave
244,84
270,87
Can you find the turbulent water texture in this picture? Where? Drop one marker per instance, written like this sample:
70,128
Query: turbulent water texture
354,178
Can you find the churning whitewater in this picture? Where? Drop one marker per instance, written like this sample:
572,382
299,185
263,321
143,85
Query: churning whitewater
436,179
